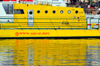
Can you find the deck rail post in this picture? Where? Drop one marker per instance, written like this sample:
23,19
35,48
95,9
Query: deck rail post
52,23
98,24
18,23
89,22
2,25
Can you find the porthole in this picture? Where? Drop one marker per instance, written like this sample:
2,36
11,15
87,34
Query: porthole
61,11
76,11
46,11
69,12
30,12
54,11
38,11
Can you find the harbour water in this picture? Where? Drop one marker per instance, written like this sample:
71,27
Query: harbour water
50,52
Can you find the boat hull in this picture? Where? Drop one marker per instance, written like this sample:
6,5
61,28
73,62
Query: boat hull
48,33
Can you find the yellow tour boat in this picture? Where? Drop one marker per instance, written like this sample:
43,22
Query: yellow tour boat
36,21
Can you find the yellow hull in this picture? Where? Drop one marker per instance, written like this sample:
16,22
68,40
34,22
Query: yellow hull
48,33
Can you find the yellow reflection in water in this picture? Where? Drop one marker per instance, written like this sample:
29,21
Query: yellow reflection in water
49,52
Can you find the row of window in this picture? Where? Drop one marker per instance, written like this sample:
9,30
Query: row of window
9,10
20,11
46,11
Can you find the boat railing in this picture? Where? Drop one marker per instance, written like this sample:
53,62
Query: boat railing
93,23
2,25
18,23
52,23
44,23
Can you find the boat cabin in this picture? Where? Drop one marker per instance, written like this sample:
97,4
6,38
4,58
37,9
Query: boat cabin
42,16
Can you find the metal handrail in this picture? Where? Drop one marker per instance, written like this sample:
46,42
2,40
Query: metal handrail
53,23
2,24
94,23
36,25
18,23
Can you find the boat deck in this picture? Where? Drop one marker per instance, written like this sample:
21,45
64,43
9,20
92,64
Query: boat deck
69,29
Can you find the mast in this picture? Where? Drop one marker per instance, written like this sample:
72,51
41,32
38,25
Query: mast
84,4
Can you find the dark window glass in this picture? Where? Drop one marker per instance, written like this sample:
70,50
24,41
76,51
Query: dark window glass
54,11
61,11
46,11
19,11
8,8
30,12
76,11
38,11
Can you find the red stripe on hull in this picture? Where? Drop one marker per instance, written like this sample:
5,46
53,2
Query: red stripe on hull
88,24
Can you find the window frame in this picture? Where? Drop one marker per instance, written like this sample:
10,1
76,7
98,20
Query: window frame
38,12
20,11
46,11
8,8
62,11
53,11
69,11
77,11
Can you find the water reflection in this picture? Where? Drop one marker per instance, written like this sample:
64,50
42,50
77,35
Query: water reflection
49,52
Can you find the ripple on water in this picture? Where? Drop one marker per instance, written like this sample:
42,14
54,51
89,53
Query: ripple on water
50,52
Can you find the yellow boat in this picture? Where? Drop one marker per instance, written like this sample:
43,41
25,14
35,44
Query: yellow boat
48,21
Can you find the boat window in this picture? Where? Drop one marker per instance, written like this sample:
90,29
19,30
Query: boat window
61,11
8,8
30,12
76,11
38,11
69,12
54,11
46,11
18,11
